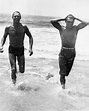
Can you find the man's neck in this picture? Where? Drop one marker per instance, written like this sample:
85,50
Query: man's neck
69,28
16,25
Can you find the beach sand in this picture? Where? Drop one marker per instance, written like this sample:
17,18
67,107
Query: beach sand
38,88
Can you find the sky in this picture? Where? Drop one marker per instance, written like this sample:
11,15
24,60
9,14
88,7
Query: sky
60,8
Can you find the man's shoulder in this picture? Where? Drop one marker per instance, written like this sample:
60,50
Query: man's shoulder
62,28
7,28
75,27
25,27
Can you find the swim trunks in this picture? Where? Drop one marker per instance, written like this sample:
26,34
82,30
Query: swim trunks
66,59
17,51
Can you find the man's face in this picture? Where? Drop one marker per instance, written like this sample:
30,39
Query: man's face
16,17
69,22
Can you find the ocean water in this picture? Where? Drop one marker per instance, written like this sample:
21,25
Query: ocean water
47,41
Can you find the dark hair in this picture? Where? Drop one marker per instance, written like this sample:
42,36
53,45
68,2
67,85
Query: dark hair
16,12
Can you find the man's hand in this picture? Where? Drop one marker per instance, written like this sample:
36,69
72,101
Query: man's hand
1,50
30,52
70,16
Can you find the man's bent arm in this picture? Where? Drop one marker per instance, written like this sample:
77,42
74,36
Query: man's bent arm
56,24
4,37
30,42
82,24
30,37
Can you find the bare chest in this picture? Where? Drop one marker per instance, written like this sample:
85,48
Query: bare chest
16,31
69,34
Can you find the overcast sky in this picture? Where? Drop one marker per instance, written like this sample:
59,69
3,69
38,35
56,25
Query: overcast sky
60,8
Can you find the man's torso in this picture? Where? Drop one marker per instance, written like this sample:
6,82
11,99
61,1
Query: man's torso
16,35
68,37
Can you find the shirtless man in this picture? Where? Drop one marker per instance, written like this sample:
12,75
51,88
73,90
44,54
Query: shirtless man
68,36
16,34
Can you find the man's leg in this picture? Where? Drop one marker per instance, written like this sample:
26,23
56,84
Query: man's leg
12,59
69,66
62,81
21,63
62,66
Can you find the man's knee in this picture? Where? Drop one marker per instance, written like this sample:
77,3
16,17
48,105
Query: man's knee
62,72
13,69
21,69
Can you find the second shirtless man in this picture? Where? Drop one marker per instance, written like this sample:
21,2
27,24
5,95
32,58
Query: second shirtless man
68,36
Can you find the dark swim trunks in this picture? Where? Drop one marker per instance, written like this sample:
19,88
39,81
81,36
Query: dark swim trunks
66,59
16,50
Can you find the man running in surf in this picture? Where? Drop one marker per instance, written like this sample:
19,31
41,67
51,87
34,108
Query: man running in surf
16,34
68,35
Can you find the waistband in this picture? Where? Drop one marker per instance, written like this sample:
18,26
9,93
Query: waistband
16,47
68,48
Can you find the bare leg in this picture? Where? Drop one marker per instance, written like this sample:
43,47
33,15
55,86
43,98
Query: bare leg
12,59
21,63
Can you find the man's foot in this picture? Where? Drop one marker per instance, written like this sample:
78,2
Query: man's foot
14,81
63,86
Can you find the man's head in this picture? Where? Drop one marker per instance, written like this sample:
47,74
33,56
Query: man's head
69,20
16,16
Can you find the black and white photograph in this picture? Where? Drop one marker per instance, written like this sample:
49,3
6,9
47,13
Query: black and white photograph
44,55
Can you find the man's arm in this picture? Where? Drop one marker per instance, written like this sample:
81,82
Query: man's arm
56,23
3,39
82,24
30,40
